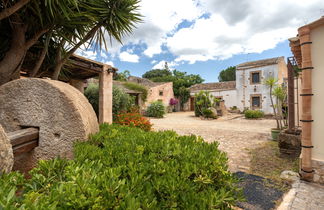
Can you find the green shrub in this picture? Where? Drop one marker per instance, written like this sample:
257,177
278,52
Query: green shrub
208,113
252,114
116,170
137,87
156,109
204,101
122,101
92,94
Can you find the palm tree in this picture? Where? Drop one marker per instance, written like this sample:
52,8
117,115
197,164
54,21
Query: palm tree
271,83
59,28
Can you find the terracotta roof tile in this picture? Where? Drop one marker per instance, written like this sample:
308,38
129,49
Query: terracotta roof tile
214,86
259,63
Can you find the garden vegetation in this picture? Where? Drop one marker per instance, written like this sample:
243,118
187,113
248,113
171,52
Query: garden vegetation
116,170
156,109
253,114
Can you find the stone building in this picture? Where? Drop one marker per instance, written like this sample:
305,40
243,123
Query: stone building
249,90
157,91
308,50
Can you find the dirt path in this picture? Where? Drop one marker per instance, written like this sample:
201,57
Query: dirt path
235,134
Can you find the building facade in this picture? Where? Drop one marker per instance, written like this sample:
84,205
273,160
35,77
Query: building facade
249,90
308,50
157,91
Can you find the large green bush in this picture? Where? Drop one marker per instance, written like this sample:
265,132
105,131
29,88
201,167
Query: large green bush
116,170
122,101
204,102
156,109
137,87
253,114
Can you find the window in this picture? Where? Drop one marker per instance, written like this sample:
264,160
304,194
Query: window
255,77
161,93
255,101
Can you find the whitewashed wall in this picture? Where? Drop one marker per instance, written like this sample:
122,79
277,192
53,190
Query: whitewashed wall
245,89
229,96
317,51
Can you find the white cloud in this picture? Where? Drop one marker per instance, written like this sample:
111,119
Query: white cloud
226,28
128,57
109,63
154,61
161,65
235,27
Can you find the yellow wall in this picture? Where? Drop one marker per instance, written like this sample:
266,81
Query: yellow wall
317,50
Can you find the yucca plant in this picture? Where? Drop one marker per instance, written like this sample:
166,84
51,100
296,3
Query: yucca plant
59,27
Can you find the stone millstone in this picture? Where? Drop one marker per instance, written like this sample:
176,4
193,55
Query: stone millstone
61,112
6,155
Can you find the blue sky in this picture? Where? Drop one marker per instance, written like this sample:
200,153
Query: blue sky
206,36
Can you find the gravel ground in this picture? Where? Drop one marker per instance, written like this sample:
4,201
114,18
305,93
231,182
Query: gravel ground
235,134
260,193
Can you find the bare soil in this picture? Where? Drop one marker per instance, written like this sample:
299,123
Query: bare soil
235,134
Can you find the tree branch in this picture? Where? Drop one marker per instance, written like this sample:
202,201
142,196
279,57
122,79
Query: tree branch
39,62
11,10
81,42
35,38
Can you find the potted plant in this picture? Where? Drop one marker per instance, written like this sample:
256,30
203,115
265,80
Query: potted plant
280,95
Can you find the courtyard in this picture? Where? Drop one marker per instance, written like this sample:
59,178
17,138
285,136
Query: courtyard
235,134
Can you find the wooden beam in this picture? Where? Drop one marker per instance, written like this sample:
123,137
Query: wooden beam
23,148
23,136
24,140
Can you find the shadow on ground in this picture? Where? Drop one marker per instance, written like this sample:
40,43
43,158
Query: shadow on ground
260,193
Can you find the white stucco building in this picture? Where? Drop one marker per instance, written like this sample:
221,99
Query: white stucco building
249,90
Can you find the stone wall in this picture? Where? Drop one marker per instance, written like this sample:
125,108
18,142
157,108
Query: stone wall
318,167
154,94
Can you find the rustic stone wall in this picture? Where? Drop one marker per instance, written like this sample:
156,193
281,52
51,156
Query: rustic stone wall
61,112
289,144
318,167
154,94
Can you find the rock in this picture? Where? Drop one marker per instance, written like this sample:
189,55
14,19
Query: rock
289,144
289,176
61,112
6,155
214,111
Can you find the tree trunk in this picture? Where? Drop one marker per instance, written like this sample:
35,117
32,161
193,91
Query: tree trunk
274,108
14,57
39,62
62,61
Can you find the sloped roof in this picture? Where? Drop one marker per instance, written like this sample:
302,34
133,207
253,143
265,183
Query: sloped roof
145,82
259,63
218,86
121,85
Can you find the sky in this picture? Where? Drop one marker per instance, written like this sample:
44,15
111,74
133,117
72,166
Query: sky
206,36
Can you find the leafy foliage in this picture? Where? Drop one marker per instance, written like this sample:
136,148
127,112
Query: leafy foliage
181,81
116,170
156,73
137,87
252,114
280,94
228,74
62,27
122,76
156,109
204,102
122,102
133,119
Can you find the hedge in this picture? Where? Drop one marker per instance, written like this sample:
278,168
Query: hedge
128,168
